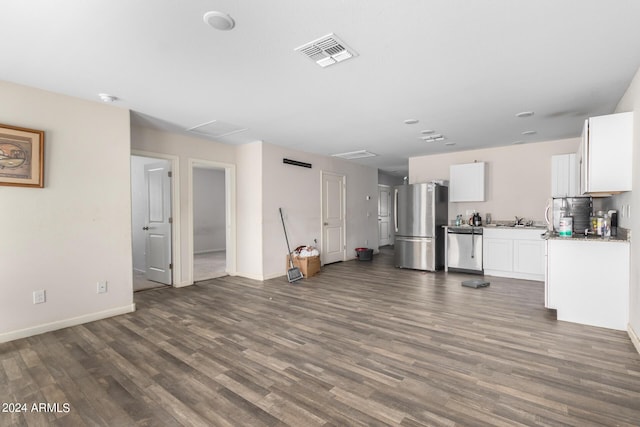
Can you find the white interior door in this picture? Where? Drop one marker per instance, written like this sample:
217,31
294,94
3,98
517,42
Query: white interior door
333,218
157,178
384,215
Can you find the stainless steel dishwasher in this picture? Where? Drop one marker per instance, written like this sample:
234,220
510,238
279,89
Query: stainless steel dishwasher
464,249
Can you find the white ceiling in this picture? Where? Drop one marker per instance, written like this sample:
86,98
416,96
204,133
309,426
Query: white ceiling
463,68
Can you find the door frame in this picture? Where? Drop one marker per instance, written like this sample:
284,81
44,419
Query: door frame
344,213
230,212
175,209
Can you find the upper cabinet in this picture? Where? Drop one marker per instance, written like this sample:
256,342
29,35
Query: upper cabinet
466,182
565,178
604,156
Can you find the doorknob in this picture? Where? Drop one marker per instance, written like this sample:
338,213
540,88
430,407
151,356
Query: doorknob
326,223
145,228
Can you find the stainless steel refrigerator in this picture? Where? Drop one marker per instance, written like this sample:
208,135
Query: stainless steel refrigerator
420,211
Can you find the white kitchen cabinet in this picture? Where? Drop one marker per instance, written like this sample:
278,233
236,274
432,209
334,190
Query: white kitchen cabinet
605,154
588,281
466,182
565,177
514,252
498,254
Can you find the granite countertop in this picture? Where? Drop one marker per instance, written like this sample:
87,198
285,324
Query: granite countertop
623,236
501,227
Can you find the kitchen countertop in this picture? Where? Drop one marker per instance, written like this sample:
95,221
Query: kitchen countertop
623,234
500,227
621,237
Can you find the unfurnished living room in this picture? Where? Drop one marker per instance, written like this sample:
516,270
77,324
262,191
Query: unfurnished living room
326,213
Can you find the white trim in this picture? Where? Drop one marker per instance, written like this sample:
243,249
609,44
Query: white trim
61,324
634,337
175,210
230,212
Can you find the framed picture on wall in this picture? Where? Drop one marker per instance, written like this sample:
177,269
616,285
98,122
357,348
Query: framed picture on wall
21,157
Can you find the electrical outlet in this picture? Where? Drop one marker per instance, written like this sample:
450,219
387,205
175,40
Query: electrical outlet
39,296
366,242
102,287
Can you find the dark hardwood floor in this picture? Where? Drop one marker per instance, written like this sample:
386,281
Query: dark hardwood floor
362,344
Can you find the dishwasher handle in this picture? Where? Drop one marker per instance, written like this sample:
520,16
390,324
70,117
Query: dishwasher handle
473,245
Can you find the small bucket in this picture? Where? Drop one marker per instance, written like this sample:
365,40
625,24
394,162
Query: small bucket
364,254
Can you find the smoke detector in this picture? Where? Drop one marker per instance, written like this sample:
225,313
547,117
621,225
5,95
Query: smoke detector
327,50
219,20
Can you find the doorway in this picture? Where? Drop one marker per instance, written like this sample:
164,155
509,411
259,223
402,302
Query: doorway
211,220
151,218
209,223
333,217
384,215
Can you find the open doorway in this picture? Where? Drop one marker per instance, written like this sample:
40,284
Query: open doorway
151,220
209,223
211,220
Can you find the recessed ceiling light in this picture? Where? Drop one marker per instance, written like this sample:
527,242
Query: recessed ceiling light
432,138
427,131
449,143
529,132
517,142
525,114
219,20
411,121
105,97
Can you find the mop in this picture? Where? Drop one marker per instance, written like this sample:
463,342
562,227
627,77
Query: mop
293,274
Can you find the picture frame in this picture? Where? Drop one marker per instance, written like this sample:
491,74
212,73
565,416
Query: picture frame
21,157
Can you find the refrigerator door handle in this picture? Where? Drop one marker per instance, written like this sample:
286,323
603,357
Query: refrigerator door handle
423,239
395,208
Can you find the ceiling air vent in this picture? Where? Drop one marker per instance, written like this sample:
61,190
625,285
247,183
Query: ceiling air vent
351,155
327,50
216,129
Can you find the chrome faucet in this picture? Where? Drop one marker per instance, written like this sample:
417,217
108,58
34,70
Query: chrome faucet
519,221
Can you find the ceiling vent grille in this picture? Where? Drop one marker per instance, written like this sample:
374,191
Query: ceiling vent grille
327,50
351,155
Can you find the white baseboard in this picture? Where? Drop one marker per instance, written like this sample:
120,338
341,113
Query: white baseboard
634,337
61,324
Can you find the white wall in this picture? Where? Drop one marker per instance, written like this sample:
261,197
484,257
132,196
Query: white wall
249,212
76,231
209,225
631,102
149,140
298,191
518,177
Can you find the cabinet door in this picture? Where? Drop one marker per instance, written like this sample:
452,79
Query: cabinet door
609,142
528,256
497,254
466,182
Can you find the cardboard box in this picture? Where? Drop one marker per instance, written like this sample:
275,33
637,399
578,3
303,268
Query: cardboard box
309,266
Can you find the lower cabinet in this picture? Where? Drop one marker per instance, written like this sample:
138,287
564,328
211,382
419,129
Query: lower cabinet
588,282
516,253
